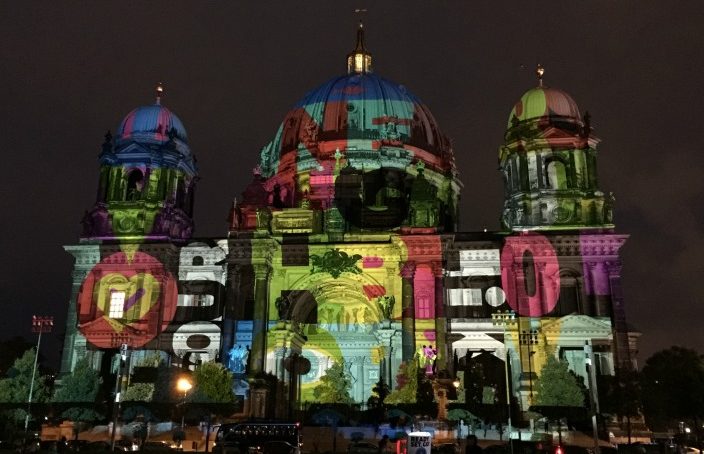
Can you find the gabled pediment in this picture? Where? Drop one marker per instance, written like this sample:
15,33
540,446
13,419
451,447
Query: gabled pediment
578,324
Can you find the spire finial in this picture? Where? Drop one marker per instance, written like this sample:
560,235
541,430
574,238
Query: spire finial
359,60
539,71
159,93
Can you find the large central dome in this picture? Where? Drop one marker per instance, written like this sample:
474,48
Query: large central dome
362,152
359,112
363,108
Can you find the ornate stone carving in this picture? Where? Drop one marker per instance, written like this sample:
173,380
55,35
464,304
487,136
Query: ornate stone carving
335,262
386,306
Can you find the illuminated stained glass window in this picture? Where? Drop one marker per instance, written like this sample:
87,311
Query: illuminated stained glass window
117,304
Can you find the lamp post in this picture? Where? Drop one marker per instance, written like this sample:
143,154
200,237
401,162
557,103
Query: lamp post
184,385
119,376
456,384
39,325
504,319
529,338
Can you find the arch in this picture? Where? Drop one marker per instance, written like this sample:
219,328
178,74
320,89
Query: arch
555,173
197,261
180,193
135,184
570,299
529,275
323,289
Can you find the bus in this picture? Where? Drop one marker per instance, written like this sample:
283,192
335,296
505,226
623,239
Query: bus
258,438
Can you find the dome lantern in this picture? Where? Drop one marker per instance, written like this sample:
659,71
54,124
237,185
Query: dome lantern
359,61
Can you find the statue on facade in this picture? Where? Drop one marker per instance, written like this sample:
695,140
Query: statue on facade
283,307
235,215
355,321
263,218
237,359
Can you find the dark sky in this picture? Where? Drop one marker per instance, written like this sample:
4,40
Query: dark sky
69,71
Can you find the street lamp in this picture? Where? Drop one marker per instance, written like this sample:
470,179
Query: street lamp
504,319
184,385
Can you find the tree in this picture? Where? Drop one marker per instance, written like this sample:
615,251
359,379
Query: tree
139,392
621,396
379,393
81,386
213,384
334,385
557,387
407,385
15,388
673,388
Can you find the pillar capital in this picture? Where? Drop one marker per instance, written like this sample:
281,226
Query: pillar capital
408,269
261,270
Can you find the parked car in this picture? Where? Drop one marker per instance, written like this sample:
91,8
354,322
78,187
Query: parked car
446,448
77,445
156,446
96,446
277,447
362,447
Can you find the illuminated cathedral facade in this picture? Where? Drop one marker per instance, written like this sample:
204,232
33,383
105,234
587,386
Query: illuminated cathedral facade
345,247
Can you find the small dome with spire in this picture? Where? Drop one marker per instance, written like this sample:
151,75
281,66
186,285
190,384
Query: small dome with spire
151,124
544,103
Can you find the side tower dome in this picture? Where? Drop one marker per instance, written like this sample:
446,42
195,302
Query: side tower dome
549,165
147,179
351,149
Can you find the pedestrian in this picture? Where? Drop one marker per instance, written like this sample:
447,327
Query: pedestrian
472,446
383,444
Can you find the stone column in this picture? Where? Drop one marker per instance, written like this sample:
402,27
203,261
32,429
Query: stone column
261,317
618,317
384,336
408,311
358,394
232,296
601,284
67,360
440,320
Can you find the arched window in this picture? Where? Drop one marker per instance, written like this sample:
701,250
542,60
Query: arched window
135,183
555,175
197,261
529,273
569,301
180,193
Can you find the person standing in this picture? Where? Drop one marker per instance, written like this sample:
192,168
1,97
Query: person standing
472,445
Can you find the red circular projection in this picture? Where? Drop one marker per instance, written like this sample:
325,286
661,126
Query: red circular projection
126,299
530,275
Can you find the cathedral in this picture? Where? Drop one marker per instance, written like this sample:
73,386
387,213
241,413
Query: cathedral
345,248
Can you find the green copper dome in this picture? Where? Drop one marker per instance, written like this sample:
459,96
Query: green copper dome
546,103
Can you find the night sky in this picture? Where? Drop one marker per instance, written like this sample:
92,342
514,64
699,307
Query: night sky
70,71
